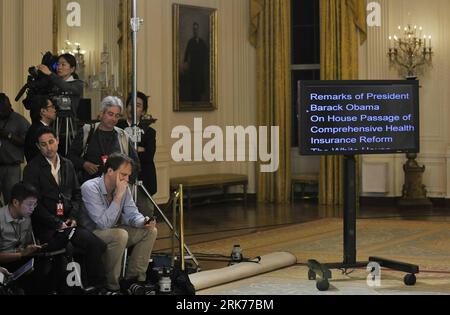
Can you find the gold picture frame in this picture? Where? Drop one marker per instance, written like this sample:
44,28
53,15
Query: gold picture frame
194,58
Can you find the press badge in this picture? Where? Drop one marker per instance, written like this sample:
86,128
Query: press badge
59,209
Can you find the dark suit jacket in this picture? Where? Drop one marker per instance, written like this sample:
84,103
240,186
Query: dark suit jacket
148,169
38,173
31,150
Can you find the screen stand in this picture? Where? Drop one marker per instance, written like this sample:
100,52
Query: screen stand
321,272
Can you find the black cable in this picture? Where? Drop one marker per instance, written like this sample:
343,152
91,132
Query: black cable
218,257
345,271
209,254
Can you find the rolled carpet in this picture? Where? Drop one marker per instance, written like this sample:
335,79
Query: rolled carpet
271,262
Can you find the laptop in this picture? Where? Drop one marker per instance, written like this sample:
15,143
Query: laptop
24,270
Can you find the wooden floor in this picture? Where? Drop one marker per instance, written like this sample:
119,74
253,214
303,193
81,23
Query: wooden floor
217,221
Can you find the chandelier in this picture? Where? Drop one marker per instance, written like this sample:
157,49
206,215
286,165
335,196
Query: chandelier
411,52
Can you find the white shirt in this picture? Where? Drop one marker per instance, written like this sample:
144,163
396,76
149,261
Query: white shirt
55,170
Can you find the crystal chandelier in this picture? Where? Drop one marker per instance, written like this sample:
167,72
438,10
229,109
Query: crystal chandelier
411,52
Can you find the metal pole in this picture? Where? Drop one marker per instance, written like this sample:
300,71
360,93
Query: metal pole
186,248
350,210
183,265
135,25
174,216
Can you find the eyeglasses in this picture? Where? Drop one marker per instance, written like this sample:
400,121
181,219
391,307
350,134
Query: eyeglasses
31,205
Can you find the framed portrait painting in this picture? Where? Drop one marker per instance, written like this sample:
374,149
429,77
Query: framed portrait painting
194,58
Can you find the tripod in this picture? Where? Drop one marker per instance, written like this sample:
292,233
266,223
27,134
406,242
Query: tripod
176,196
65,130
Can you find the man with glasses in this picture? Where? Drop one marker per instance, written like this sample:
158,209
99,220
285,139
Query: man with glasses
13,128
17,243
43,114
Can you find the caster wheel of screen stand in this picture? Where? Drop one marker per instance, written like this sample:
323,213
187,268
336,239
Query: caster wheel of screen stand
311,275
323,285
410,279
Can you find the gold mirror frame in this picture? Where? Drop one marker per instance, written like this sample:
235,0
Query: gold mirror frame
124,41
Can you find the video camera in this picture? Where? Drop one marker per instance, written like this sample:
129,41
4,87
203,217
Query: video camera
37,82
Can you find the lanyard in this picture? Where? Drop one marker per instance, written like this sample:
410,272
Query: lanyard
18,236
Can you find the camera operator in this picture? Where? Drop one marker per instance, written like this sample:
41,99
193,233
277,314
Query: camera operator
13,129
42,115
66,81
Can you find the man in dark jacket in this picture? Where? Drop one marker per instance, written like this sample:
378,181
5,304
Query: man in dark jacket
60,202
95,143
147,147
43,114
146,152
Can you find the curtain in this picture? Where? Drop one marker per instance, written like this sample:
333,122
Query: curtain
270,33
343,28
125,46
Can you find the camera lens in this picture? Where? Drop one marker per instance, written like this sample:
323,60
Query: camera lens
136,289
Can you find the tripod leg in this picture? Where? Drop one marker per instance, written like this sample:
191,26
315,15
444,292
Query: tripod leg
57,127
168,223
67,136
71,130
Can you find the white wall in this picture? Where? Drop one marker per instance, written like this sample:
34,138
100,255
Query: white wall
26,32
383,175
